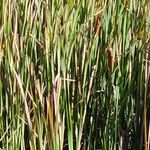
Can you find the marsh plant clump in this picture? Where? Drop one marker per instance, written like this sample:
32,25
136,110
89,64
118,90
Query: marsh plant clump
74,74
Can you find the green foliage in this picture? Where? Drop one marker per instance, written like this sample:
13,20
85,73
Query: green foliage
60,87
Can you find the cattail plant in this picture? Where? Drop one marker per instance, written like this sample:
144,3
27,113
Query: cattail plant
74,74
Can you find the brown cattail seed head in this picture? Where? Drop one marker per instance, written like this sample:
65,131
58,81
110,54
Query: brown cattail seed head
110,59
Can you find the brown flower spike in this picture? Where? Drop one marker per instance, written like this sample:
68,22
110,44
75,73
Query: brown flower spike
97,28
110,59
